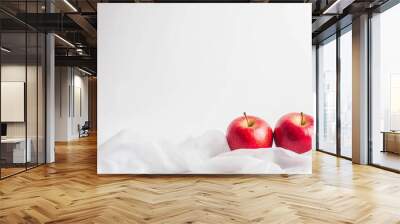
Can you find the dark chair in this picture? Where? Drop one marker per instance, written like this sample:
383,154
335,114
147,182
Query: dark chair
84,130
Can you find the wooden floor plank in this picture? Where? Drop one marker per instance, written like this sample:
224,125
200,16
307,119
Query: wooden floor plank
70,191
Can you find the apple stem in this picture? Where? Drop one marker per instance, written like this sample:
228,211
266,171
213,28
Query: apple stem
302,122
245,116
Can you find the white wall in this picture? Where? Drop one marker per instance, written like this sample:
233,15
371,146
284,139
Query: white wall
61,103
68,81
12,101
18,73
174,70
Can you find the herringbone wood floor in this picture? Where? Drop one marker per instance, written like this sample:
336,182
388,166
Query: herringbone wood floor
70,191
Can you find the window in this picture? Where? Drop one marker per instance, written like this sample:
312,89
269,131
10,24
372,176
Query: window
334,106
22,77
327,96
385,89
346,93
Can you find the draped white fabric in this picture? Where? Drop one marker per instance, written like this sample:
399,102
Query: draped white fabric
131,153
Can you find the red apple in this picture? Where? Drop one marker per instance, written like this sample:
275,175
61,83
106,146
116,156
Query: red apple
249,132
294,132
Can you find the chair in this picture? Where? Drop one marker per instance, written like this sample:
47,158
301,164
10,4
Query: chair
84,130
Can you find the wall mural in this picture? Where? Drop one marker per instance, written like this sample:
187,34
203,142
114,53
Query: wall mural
205,89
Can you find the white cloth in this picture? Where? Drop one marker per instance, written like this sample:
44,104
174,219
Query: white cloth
130,153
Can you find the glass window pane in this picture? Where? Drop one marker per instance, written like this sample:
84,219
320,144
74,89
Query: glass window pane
327,97
31,88
41,98
32,95
22,90
385,84
346,94
13,86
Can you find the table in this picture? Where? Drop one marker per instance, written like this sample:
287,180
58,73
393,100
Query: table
391,141
13,150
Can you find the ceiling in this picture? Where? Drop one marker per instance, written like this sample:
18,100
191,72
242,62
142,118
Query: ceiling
75,21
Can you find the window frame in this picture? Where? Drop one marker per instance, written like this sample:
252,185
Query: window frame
334,37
